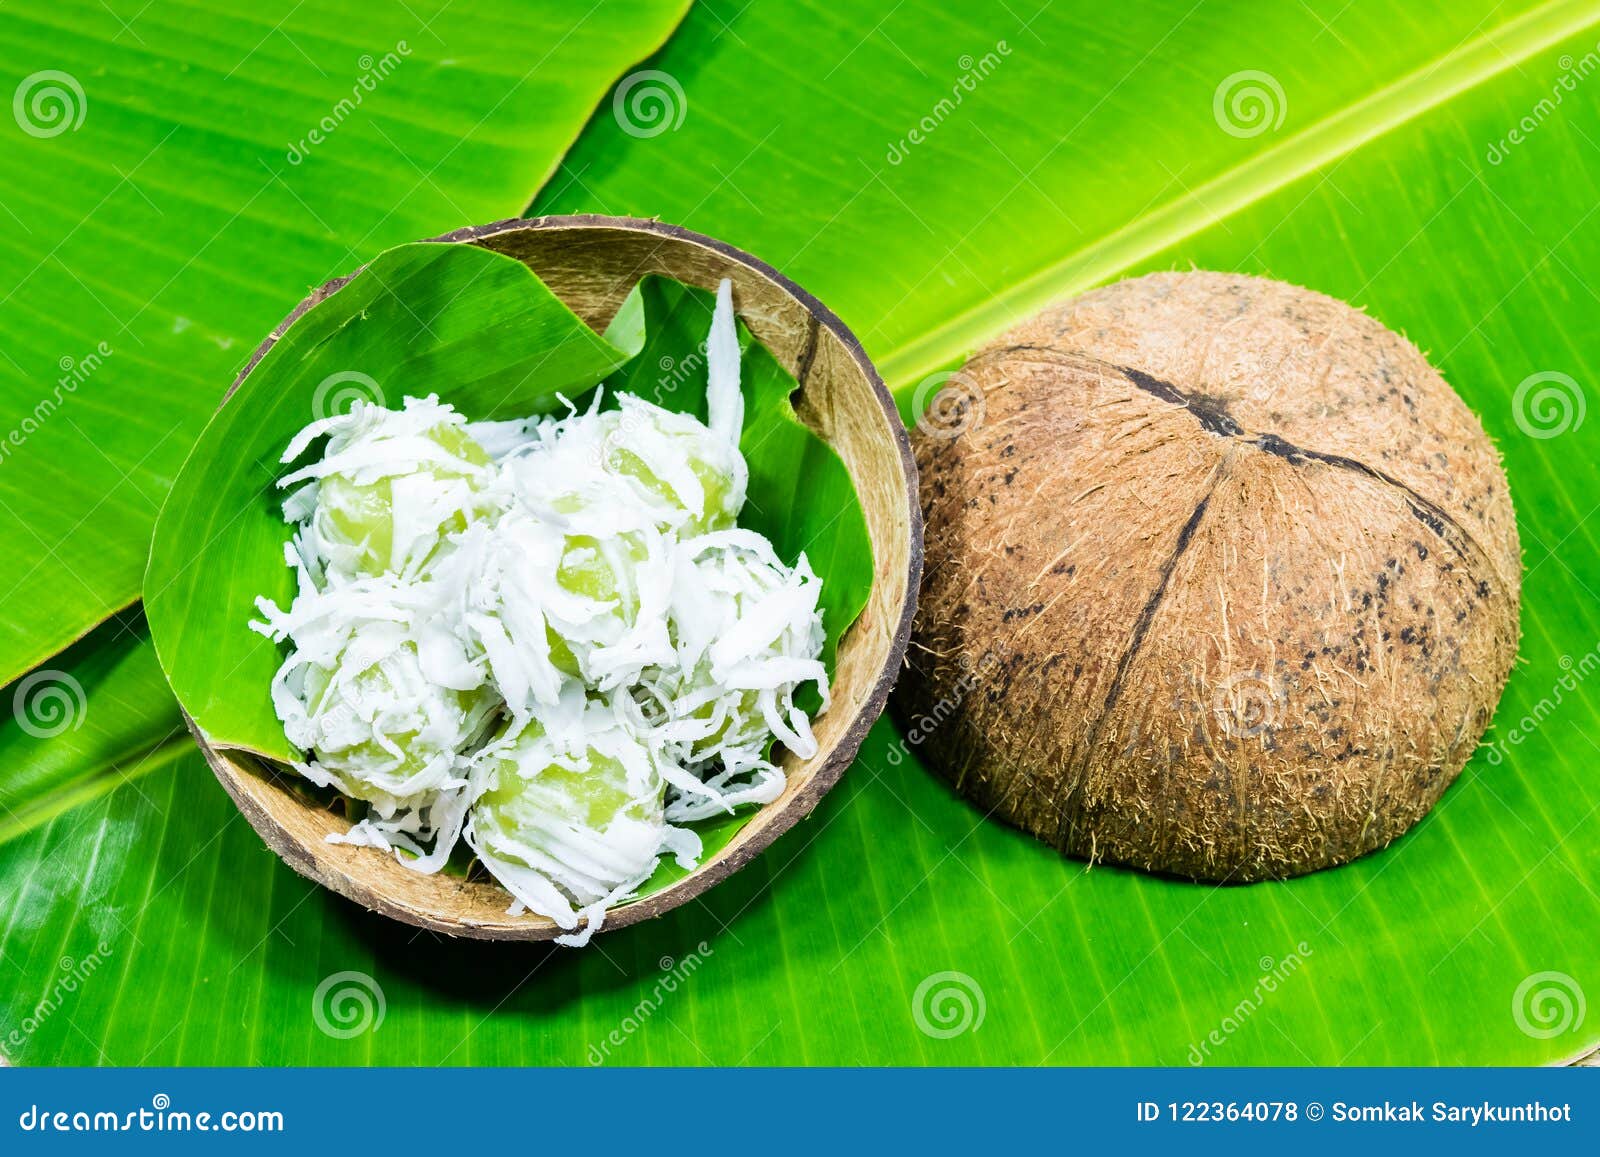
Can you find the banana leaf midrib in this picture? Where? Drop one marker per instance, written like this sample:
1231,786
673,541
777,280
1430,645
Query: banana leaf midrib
1307,151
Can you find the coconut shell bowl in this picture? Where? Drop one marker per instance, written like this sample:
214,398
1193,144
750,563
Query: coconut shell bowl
591,263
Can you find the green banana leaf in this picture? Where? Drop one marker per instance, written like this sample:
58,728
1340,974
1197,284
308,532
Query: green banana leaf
56,752
898,924
176,173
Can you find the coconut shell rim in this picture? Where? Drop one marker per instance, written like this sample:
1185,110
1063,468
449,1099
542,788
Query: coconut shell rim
249,789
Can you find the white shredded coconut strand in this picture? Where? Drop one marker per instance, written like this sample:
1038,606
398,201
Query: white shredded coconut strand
724,399
547,636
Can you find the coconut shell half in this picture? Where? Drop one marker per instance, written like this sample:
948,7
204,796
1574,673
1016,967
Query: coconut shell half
1222,579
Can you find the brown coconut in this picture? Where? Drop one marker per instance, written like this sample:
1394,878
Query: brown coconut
1222,579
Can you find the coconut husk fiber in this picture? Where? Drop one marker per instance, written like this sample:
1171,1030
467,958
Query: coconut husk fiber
1222,579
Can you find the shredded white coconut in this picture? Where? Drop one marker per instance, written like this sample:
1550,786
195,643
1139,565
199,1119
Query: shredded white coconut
548,636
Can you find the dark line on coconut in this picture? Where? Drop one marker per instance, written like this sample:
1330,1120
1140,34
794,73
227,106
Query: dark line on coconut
1427,512
1141,628
1213,416
1216,420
